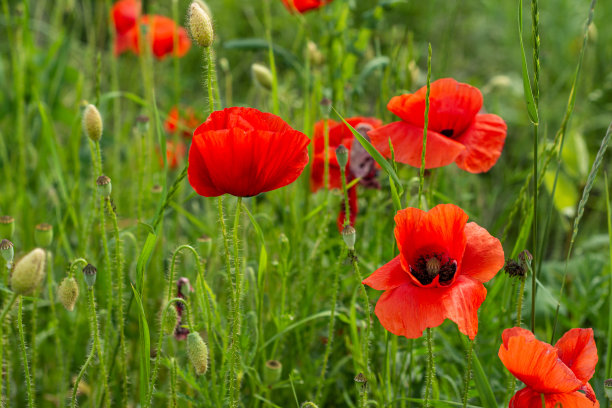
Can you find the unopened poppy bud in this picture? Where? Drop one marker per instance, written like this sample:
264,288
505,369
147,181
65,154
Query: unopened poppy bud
29,272
342,155
92,123
89,274
272,371
348,234
309,404
200,25
7,226
608,388
515,269
7,250
262,75
197,352
204,6
104,186
205,245
171,319
43,235
314,55
68,292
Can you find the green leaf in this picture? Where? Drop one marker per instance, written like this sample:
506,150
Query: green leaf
145,347
144,257
531,105
487,398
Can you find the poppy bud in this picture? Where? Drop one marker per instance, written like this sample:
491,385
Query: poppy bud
7,226
514,269
43,235
608,388
197,352
104,185
7,250
360,380
348,234
205,245
309,404
342,155
89,273
272,371
29,272
171,319
314,55
92,123
68,292
204,6
200,25
262,75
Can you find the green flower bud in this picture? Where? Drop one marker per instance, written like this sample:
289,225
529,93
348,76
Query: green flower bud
68,292
272,371
43,235
262,75
7,226
342,155
104,186
200,25
92,123
29,272
197,352
7,250
348,234
171,319
89,273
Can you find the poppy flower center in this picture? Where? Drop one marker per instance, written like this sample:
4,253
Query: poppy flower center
427,267
447,132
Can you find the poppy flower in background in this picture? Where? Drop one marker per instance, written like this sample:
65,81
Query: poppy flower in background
456,131
439,273
561,372
302,6
175,153
185,123
245,152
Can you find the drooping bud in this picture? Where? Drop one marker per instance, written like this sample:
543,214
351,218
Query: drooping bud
29,272
348,234
171,319
104,186
608,388
92,123
7,226
342,155
205,245
200,25
68,292
89,273
272,371
43,235
197,352
262,76
7,250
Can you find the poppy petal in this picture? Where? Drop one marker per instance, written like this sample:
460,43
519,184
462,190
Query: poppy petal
408,309
536,363
389,276
197,171
452,106
528,398
483,256
484,141
124,14
578,351
407,140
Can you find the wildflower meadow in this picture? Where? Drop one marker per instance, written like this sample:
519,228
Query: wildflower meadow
305,203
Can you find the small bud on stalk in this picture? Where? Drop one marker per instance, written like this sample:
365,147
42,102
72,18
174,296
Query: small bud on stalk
92,123
348,234
89,273
608,388
342,155
29,272
200,25
68,292
197,352
262,75
171,319
272,371
7,250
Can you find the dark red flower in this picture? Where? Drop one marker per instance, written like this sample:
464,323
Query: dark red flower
561,373
245,152
438,274
185,123
302,6
456,131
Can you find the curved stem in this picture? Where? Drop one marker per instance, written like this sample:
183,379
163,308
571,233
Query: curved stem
93,322
75,388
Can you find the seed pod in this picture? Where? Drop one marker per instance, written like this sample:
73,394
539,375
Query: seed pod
342,155
348,234
608,388
197,352
29,272
43,235
7,250
171,319
89,273
262,75
68,292
92,123
104,186
200,25
7,226
272,371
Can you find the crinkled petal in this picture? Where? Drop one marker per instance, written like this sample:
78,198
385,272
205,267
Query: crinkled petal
389,276
578,351
484,141
483,256
528,398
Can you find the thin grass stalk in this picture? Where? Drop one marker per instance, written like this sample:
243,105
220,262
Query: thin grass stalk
77,381
609,337
268,25
366,340
425,125
93,324
55,324
24,356
237,311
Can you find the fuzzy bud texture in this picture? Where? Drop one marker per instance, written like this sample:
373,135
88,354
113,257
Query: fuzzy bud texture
171,319
92,123
29,272
197,352
68,293
262,75
200,25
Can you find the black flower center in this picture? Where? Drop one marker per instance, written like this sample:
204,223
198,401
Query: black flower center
427,267
448,132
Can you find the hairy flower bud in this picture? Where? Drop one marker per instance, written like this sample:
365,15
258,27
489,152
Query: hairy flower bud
262,75
200,25
43,235
170,319
342,155
29,272
92,123
68,292
197,352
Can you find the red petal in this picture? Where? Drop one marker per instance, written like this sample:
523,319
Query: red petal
407,140
578,351
528,398
302,6
127,41
483,256
124,14
484,141
171,122
452,105
535,363
441,229
408,309
389,276
197,171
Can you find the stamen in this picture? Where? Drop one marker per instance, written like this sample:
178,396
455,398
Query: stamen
448,132
427,267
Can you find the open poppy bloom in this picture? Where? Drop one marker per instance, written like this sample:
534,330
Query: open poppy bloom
561,373
245,152
185,123
456,132
301,6
438,274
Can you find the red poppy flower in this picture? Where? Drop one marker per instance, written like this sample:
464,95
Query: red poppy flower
185,124
438,274
175,153
561,372
125,14
245,152
161,36
302,6
456,131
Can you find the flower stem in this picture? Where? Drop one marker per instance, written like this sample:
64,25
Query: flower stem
210,60
237,312
93,323
468,373
24,355
8,306
426,124
366,340
431,368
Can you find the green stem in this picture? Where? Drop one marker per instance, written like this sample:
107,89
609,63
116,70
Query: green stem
426,124
431,368
55,325
173,384
237,312
468,373
268,24
210,59
8,306
347,207
24,355
93,324
75,388
366,341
